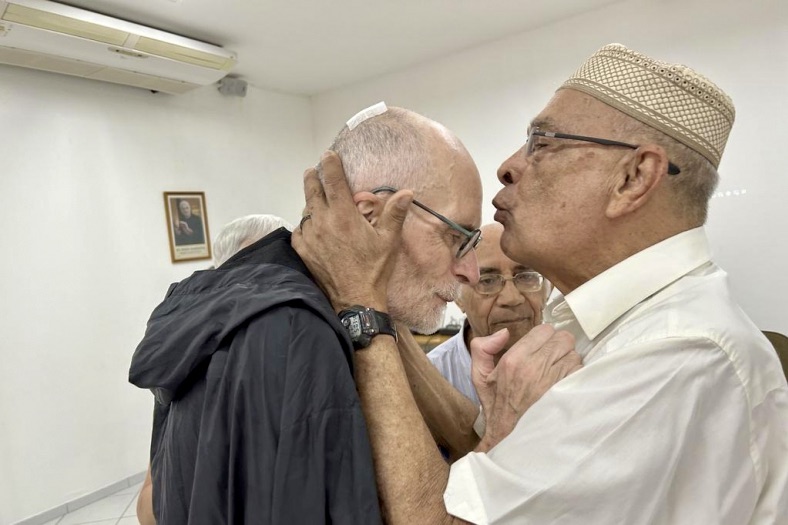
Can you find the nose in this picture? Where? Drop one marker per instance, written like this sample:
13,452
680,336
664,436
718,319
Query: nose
511,169
466,270
510,295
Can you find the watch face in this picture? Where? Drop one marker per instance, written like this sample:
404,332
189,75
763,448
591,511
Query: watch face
353,325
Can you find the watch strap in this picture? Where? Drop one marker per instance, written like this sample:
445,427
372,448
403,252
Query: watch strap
363,323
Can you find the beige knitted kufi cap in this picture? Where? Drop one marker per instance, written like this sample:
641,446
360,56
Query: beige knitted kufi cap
669,97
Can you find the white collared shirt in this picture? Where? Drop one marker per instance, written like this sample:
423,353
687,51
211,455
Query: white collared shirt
453,361
679,416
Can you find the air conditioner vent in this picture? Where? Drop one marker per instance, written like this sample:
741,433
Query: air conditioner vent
45,35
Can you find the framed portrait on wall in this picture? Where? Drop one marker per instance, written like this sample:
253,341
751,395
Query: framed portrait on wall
187,225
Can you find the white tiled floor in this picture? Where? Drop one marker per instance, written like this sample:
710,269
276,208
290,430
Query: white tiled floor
118,509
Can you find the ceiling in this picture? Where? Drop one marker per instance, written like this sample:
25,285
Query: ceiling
310,46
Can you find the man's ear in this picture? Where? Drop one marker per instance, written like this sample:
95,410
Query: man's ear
369,205
634,186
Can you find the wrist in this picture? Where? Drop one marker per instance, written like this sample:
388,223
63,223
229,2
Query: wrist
370,301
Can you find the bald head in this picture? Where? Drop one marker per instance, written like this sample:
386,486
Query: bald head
397,148
405,150
491,238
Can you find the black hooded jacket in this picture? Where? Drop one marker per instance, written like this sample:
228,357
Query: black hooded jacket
258,418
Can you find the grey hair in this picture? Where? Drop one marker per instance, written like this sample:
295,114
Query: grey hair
244,230
695,185
385,150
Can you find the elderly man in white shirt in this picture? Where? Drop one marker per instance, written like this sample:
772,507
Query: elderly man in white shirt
680,409
508,295
680,413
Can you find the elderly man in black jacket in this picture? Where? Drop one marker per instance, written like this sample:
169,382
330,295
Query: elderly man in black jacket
264,422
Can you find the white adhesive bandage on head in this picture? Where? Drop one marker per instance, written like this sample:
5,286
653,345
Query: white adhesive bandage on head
364,114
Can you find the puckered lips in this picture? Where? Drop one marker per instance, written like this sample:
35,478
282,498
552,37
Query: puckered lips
501,214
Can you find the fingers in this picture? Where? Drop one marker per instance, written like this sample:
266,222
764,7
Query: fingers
394,212
551,351
335,184
315,199
491,344
484,350
559,345
313,191
568,364
533,341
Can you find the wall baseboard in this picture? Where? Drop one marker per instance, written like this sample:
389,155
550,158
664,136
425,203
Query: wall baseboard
82,501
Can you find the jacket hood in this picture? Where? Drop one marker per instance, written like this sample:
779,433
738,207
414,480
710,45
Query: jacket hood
201,313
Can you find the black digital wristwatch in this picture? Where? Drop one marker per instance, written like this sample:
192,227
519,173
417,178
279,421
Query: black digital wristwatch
362,324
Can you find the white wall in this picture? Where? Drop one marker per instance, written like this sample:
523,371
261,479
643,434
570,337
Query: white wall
487,95
84,250
85,256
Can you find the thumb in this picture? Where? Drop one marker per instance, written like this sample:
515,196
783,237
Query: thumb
484,350
395,211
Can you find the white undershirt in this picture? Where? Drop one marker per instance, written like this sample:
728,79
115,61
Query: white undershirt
453,361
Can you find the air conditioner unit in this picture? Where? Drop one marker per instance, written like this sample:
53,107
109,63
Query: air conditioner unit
46,35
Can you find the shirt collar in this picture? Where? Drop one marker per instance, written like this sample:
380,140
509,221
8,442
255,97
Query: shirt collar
606,297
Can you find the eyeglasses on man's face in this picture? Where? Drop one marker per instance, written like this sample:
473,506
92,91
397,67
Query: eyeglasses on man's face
533,135
472,237
525,282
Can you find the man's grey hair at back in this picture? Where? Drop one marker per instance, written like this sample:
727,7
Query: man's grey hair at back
243,232
386,150
694,186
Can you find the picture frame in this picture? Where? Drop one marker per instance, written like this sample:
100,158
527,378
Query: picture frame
187,225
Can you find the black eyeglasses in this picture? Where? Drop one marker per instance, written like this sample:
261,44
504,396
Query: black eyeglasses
536,132
525,282
472,238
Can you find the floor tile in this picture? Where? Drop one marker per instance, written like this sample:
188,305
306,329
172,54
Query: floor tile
54,521
104,509
129,520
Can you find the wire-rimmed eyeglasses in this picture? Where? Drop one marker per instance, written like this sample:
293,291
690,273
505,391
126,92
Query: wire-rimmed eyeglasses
472,238
536,132
525,282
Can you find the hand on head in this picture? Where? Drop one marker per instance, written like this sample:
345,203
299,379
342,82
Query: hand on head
350,258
